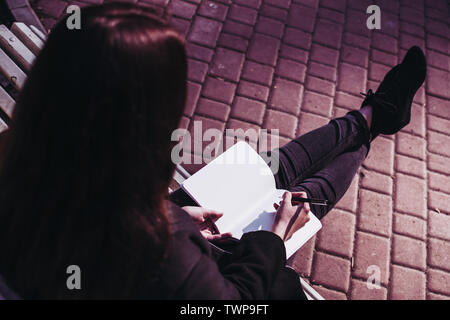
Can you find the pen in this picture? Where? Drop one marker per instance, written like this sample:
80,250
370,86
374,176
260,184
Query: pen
214,228
318,202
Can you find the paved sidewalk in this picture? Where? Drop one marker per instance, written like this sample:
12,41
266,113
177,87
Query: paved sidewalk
294,65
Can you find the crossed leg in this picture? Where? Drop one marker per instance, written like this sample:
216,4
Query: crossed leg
324,161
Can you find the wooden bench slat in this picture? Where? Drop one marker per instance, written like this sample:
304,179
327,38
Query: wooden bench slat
3,125
28,37
15,48
7,103
39,33
11,71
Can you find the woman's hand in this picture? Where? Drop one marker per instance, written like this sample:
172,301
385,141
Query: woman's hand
204,218
290,217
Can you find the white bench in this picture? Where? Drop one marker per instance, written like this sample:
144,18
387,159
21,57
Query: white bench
18,49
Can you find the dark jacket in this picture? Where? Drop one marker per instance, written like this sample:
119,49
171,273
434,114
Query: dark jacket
254,270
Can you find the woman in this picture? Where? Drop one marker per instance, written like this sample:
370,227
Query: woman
86,165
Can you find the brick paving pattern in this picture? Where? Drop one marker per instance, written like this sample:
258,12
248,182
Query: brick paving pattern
295,64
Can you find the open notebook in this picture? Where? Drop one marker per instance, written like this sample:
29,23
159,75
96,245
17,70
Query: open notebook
240,184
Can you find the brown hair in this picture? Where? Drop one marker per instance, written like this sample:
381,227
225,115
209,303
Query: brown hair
87,161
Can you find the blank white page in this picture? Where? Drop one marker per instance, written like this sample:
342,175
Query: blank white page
234,183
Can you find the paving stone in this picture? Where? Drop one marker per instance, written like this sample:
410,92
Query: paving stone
409,252
360,291
324,55
356,40
352,79
355,22
205,31
437,43
331,271
197,128
337,233
258,73
234,42
243,14
438,82
384,42
279,3
408,225
227,64
331,15
439,225
197,70
309,122
213,10
439,281
243,129
375,213
439,201
213,109
349,200
294,53
322,71
183,9
248,110
219,89
302,17
198,52
355,56
193,93
438,106
320,86
291,70
376,181
436,141
412,15
317,103
377,71
411,146
439,182
329,294
301,261
407,41
338,5
370,251
438,60
286,96
328,33
274,12
270,27
297,38
407,284
438,163
438,256
253,90
410,195
347,101
238,28
285,123
381,156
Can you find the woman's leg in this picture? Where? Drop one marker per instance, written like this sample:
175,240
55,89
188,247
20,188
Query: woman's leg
333,180
304,156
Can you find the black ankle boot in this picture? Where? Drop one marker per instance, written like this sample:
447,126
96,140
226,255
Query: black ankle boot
393,99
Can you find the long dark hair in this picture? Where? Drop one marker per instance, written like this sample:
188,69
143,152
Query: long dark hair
86,165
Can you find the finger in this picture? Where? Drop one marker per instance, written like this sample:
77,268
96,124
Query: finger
213,215
276,206
306,207
287,198
218,236
301,194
